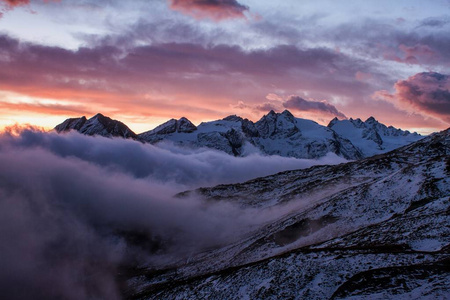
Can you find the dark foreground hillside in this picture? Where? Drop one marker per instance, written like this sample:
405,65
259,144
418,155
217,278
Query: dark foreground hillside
377,228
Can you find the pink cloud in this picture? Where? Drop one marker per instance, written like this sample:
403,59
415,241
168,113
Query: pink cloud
426,93
164,78
12,3
213,9
173,80
7,5
361,76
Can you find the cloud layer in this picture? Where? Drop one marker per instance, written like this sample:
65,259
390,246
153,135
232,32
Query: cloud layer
171,80
75,209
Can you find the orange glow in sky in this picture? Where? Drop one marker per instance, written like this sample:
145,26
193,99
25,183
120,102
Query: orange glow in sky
144,62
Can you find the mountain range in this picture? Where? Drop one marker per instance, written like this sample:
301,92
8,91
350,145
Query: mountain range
377,228
274,134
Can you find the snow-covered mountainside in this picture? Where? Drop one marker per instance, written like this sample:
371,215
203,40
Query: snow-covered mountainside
377,228
97,125
372,137
274,134
172,126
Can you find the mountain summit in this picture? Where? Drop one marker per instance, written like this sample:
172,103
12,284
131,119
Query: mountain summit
371,136
97,125
274,134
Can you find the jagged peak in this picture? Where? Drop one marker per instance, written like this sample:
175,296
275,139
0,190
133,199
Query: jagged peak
184,119
97,125
334,121
233,118
184,125
98,115
371,120
71,124
287,113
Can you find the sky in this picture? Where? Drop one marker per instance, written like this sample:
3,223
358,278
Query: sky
144,62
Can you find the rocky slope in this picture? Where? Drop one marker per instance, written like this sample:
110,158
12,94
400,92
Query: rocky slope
377,228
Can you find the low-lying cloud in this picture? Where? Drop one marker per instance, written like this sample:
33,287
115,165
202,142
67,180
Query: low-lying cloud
426,93
75,209
213,9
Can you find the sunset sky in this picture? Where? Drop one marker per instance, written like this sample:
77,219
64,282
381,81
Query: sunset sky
144,62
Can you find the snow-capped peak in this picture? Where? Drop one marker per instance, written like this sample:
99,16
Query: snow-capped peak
274,134
97,125
371,136
169,127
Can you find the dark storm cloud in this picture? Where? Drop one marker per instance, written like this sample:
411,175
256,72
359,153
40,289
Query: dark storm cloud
213,9
300,104
73,209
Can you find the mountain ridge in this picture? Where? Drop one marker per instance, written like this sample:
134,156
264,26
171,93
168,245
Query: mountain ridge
274,134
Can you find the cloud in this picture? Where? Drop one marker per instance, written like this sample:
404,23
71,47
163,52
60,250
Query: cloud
426,93
317,109
268,106
13,3
7,5
214,9
435,22
373,39
170,79
183,167
75,209
300,104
